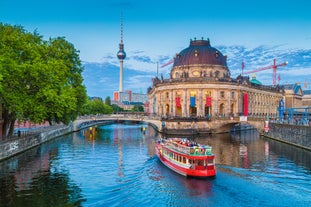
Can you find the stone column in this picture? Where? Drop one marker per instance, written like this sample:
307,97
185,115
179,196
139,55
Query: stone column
185,102
200,103
216,103
172,101
161,104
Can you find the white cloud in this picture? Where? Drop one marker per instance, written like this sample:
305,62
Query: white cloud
254,58
139,82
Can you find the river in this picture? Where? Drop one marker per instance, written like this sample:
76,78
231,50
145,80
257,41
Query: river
115,165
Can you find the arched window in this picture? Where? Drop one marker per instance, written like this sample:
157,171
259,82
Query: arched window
217,54
196,53
222,109
217,74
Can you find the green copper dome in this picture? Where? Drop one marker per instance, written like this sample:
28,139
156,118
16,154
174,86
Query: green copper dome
255,81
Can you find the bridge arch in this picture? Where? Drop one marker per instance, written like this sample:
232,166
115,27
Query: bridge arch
86,123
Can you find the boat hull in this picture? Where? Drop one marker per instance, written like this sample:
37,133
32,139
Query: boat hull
208,171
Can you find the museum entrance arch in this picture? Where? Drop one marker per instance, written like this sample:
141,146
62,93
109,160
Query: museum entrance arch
178,111
232,110
167,109
222,109
208,111
193,111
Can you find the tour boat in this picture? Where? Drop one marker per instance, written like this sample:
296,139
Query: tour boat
186,157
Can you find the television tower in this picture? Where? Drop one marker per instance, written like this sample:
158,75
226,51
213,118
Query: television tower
121,56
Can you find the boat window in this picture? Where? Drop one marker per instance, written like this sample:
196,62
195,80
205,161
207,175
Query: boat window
200,162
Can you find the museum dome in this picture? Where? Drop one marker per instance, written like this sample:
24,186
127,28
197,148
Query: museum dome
200,52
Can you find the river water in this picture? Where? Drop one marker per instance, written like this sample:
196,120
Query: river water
115,165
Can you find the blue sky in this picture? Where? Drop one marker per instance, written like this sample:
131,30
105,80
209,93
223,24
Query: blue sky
154,31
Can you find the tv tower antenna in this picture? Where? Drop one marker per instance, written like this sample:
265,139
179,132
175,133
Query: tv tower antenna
121,54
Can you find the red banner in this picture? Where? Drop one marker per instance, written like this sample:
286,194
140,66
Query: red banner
245,104
177,100
208,101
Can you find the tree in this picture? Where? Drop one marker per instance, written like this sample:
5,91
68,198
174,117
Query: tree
96,107
138,108
116,108
43,80
108,101
65,91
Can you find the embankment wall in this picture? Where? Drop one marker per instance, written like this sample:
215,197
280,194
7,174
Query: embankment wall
292,134
11,147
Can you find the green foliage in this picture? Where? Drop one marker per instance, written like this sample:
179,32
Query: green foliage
43,80
138,108
96,107
116,108
108,101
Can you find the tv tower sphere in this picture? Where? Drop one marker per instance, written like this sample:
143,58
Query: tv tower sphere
121,54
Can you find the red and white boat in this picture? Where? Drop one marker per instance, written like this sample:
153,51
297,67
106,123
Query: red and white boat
186,157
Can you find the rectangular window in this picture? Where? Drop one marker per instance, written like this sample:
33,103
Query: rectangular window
232,94
222,94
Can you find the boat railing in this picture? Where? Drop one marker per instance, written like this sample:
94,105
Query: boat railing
191,150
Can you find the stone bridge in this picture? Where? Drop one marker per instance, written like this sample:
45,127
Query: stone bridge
171,126
82,123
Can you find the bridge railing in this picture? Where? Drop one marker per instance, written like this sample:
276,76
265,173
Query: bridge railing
30,132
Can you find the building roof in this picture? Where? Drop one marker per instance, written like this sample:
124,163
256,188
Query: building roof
294,87
132,103
200,52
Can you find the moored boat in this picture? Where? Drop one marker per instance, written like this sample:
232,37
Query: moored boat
186,157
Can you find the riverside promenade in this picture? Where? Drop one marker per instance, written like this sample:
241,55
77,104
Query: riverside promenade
26,140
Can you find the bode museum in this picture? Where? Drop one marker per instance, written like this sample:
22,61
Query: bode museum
200,87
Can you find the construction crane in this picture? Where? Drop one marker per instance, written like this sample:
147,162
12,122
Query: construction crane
274,67
168,63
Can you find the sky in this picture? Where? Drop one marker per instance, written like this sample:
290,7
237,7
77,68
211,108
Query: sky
154,31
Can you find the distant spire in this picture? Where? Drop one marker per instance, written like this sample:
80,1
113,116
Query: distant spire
121,54
121,27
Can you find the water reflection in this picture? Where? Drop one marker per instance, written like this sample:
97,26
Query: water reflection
115,165
176,190
300,157
247,149
28,180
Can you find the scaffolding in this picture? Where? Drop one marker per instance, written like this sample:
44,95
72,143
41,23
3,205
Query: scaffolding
298,116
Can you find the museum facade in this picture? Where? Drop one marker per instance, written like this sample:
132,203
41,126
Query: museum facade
200,85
